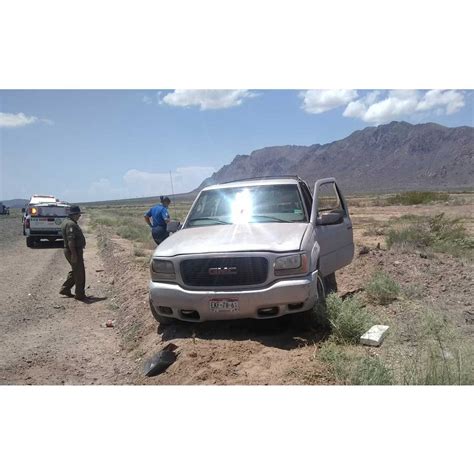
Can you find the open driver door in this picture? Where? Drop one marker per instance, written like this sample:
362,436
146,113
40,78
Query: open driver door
333,226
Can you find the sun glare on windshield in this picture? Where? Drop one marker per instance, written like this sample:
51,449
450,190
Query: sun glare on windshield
242,207
248,205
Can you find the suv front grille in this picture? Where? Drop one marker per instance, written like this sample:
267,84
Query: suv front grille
229,271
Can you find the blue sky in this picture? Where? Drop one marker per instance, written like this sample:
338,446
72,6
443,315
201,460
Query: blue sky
85,145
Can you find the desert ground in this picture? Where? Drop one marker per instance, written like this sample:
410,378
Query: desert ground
421,288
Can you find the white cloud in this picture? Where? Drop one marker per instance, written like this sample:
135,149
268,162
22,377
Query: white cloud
206,99
319,101
404,103
451,101
147,100
19,120
16,120
395,106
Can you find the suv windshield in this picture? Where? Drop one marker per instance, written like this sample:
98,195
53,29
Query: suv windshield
249,204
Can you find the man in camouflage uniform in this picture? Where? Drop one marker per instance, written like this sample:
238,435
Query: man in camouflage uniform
74,244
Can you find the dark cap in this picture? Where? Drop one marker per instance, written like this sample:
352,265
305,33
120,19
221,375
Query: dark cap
165,198
74,210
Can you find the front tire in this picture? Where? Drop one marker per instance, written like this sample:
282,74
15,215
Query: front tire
313,317
30,242
330,283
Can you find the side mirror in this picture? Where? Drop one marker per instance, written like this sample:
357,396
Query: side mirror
173,226
330,219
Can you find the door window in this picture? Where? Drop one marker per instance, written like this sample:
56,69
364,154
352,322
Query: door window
328,200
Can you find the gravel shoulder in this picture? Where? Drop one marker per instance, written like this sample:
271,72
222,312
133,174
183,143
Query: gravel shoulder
47,338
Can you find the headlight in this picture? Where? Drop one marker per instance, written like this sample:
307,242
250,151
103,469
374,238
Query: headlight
162,269
291,265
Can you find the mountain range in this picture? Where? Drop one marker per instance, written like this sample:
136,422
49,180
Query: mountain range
15,203
397,156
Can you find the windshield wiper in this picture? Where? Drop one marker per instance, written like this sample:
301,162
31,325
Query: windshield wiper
217,221
272,218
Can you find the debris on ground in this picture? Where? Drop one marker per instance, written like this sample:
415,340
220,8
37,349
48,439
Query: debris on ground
161,361
364,250
374,336
110,323
100,270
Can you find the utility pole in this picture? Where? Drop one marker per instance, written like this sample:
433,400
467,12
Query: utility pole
172,192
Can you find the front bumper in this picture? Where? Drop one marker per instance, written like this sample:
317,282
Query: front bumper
282,297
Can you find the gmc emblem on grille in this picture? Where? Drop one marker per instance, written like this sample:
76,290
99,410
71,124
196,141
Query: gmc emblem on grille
223,271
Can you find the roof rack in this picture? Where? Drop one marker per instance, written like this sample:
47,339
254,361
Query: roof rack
262,177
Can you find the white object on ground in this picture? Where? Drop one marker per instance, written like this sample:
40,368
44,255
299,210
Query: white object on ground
374,336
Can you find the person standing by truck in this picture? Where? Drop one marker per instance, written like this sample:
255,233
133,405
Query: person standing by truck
74,244
160,217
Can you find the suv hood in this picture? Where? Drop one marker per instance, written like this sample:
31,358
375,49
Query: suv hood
272,237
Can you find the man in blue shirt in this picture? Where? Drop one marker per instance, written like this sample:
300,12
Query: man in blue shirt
159,219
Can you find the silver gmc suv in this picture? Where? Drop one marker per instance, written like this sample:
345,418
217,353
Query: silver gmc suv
257,248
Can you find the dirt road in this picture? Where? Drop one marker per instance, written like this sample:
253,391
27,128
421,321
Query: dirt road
47,338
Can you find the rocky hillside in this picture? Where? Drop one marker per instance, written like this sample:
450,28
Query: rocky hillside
392,157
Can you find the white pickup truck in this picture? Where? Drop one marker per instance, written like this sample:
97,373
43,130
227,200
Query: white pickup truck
42,219
258,248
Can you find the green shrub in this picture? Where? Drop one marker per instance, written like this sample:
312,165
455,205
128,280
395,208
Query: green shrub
381,289
417,197
413,291
439,233
337,359
354,368
102,220
348,318
371,371
139,252
411,236
441,356
134,233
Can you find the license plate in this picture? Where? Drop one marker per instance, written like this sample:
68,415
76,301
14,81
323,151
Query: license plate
44,222
224,305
